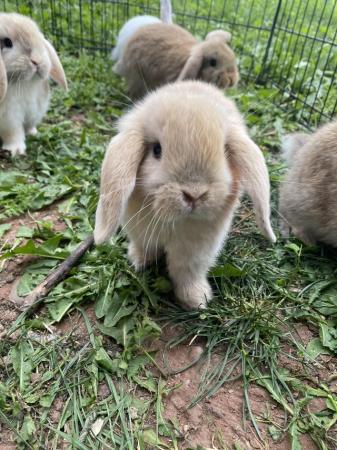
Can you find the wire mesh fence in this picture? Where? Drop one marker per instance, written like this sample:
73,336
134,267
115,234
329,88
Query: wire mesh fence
290,45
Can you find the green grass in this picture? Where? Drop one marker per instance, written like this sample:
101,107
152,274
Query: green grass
262,292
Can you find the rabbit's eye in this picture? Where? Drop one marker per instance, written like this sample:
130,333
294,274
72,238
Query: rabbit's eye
156,150
7,43
213,62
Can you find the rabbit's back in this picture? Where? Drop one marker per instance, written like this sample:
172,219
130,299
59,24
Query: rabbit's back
155,55
127,31
308,195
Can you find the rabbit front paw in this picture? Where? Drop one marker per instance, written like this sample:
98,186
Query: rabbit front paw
194,295
15,148
32,131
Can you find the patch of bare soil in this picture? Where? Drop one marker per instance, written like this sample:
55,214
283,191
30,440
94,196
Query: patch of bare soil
218,420
7,445
6,439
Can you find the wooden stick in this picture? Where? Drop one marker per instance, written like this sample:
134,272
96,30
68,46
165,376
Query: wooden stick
57,275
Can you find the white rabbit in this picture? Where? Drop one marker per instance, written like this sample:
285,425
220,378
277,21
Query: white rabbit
27,60
132,25
173,176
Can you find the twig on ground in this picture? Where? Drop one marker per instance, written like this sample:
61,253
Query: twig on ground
36,297
56,275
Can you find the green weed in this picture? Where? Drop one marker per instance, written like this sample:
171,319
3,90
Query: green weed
51,384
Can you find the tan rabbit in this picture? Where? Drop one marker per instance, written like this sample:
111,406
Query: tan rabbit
308,195
160,53
27,60
173,175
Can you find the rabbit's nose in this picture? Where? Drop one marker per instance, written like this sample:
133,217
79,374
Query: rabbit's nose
192,197
35,63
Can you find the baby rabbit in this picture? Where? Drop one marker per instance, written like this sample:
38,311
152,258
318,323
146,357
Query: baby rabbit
308,195
173,176
27,60
160,53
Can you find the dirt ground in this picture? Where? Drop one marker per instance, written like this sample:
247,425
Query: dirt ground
220,417
213,420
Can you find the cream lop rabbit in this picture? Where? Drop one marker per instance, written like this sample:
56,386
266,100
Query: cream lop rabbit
160,53
173,175
27,60
308,195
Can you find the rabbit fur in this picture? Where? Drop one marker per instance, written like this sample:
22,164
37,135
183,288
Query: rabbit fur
173,175
132,25
166,11
127,30
27,60
308,195
161,53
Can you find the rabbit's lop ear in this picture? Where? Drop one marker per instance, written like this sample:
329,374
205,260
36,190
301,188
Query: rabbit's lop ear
118,179
56,72
3,79
219,34
193,65
253,174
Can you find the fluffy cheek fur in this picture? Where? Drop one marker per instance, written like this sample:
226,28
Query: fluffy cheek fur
190,239
20,68
228,79
167,198
221,77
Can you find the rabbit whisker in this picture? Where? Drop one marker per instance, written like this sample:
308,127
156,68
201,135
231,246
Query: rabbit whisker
123,188
125,96
173,226
280,215
152,224
137,221
158,234
141,74
152,220
134,217
160,231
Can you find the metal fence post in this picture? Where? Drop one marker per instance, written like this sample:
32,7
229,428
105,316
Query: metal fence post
259,78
